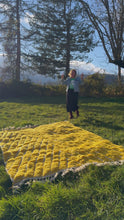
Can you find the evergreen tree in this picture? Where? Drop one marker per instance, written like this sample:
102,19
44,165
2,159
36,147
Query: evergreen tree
8,37
11,35
58,36
9,28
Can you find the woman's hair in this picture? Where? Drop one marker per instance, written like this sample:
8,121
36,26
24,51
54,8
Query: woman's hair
71,72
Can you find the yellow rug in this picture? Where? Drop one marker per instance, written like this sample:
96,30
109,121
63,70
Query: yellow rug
40,152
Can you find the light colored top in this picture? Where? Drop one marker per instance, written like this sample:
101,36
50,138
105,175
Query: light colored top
72,83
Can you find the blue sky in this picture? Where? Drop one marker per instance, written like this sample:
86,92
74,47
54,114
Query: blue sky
99,59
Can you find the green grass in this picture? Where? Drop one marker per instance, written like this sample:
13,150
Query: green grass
103,116
95,194
32,111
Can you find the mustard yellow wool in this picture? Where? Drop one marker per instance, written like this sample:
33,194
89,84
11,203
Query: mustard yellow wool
44,150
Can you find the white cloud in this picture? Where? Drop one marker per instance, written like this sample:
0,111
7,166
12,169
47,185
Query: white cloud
39,79
90,68
86,68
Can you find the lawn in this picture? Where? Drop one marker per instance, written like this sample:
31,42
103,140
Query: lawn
103,116
96,193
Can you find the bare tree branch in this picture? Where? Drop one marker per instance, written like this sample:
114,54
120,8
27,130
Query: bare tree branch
110,27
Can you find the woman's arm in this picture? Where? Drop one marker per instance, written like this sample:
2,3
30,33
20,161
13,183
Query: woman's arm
66,81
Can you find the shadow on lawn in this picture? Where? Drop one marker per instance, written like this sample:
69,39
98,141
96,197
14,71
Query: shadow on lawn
101,123
62,99
37,100
110,110
102,100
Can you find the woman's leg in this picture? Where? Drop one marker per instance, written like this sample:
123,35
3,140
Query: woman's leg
75,107
70,102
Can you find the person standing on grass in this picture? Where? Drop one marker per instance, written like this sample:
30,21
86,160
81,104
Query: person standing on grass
72,82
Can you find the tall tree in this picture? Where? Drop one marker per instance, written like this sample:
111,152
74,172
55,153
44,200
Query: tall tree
11,34
10,31
18,2
58,36
107,16
8,37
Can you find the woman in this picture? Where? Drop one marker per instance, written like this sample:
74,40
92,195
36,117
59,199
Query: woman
72,90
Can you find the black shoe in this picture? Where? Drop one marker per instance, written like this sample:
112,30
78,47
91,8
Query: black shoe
71,115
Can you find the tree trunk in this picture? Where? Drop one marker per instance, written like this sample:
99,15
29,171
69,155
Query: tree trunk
68,50
119,74
18,41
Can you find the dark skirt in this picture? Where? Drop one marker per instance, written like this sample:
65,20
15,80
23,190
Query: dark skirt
71,100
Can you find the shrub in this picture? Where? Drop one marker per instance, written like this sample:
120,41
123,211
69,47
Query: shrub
26,89
93,85
115,90
15,89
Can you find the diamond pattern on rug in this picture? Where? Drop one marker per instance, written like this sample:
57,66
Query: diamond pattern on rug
40,152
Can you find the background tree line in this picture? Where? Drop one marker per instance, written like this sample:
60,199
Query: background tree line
58,32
